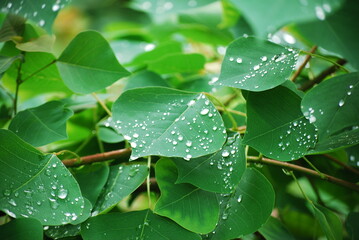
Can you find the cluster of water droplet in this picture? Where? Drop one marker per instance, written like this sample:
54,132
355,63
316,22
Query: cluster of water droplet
163,6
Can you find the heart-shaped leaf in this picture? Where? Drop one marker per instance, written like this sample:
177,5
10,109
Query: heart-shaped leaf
43,124
36,185
189,206
88,64
256,65
276,126
176,123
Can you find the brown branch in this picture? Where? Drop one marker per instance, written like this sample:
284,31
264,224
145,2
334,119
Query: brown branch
349,168
302,66
307,171
99,157
322,75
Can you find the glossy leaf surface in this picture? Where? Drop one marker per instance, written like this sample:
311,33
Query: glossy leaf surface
176,123
22,229
88,64
189,206
256,65
42,125
219,172
276,126
131,225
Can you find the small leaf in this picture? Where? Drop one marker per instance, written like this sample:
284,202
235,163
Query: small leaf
43,43
178,63
334,117
176,123
274,229
42,125
12,27
122,181
22,229
219,172
246,209
88,64
189,206
276,126
134,225
329,222
36,185
256,65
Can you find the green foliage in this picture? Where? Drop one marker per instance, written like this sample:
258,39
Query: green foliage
188,119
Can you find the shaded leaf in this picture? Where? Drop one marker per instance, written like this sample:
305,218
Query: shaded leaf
329,222
189,206
122,181
353,155
351,225
246,209
219,172
131,225
12,27
42,125
274,229
256,65
22,229
276,126
5,62
88,64
176,123
36,185
336,118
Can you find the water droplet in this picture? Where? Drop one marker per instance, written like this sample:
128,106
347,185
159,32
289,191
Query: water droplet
12,202
204,111
256,67
264,58
188,157
189,143
55,7
239,60
42,23
341,103
239,199
231,59
225,153
312,119
7,192
320,13
62,194
135,135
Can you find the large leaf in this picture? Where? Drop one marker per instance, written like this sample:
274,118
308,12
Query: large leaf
276,126
282,12
122,181
219,172
256,65
336,117
134,225
22,229
246,209
329,222
88,64
43,12
176,123
36,185
274,229
42,125
189,206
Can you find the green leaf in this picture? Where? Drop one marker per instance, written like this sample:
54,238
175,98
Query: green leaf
276,126
12,27
219,172
351,225
43,43
145,79
122,181
256,65
178,63
176,123
274,229
334,117
337,33
88,64
5,62
42,12
92,179
329,222
246,209
42,125
189,206
36,185
353,155
22,229
109,135
63,231
282,12
134,225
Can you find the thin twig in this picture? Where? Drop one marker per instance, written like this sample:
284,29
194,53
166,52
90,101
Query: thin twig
232,111
326,59
347,167
103,105
302,66
18,82
148,182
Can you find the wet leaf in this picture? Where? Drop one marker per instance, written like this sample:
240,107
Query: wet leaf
22,229
42,125
256,65
219,172
36,185
276,126
122,181
334,117
246,209
176,123
189,206
88,64
131,225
